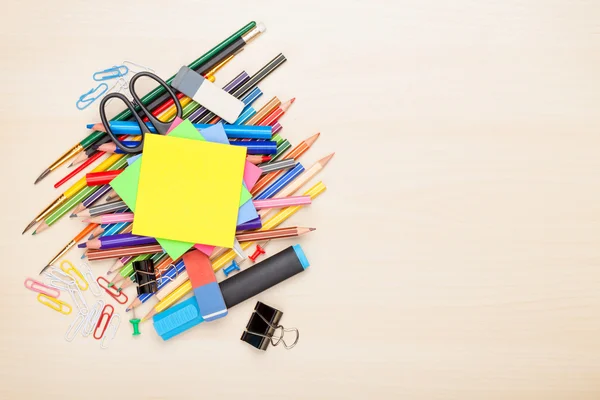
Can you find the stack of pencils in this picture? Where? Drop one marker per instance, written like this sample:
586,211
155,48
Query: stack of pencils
107,224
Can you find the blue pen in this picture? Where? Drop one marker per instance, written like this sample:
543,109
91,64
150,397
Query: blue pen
232,131
280,183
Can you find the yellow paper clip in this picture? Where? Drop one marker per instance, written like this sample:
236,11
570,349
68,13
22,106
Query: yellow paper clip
76,275
55,304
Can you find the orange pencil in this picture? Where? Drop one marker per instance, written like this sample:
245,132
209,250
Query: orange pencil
295,153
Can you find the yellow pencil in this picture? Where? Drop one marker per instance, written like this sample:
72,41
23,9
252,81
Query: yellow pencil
225,258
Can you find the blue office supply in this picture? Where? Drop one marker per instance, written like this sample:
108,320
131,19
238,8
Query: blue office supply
280,183
233,267
110,73
86,99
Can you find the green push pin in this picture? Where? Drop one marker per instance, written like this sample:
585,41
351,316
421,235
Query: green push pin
136,324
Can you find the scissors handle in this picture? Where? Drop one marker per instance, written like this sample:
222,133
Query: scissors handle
161,127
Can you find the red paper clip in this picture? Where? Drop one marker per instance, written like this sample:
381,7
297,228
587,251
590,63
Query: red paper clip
102,321
112,291
259,250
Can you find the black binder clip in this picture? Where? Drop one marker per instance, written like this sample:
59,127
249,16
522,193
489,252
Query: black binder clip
263,328
145,276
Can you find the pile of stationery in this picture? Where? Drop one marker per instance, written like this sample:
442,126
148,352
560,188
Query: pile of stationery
195,180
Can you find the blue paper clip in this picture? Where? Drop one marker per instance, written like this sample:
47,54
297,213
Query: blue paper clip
85,99
110,73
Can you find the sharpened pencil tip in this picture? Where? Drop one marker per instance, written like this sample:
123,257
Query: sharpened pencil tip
73,216
312,139
312,229
111,284
127,309
31,224
83,256
323,161
42,176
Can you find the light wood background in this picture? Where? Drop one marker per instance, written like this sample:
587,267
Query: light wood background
456,255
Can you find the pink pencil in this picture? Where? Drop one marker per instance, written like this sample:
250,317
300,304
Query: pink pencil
280,202
111,218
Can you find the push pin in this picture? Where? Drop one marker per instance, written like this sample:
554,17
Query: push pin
136,324
259,250
233,267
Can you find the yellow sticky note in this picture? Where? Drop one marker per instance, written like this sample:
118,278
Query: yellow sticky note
189,190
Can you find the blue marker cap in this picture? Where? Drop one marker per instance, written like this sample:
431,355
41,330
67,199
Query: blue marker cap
301,256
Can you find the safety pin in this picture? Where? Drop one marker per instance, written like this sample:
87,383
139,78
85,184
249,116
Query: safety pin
77,277
85,101
114,325
89,275
39,287
102,321
110,73
55,304
78,298
112,291
92,318
74,327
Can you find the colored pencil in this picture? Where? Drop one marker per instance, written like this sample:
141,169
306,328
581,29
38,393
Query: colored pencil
277,113
276,128
297,183
281,149
110,229
103,209
257,146
258,159
123,251
281,202
254,80
265,110
128,270
281,182
118,240
77,170
111,218
101,178
295,153
223,260
279,233
113,229
169,276
78,186
93,198
150,97
278,165
119,264
70,245
112,194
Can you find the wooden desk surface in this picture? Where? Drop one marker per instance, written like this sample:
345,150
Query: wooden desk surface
456,255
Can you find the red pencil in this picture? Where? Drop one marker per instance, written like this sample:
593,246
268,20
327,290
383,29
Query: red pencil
78,169
101,178
277,113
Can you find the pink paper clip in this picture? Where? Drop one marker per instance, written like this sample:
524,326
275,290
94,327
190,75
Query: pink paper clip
112,291
39,287
103,321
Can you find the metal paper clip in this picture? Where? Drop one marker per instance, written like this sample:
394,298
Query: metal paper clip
39,287
92,318
55,304
78,298
110,73
103,321
139,67
74,273
165,271
115,322
112,291
74,327
276,339
89,277
88,98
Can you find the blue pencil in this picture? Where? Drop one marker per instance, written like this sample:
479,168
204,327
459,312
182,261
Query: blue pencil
251,97
280,183
245,116
257,146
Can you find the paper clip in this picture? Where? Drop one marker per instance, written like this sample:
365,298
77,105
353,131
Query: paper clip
39,287
114,323
74,328
103,322
89,277
88,98
112,291
55,304
92,318
110,73
78,298
75,274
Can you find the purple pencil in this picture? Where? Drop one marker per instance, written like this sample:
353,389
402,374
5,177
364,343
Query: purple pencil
119,240
252,224
94,197
229,88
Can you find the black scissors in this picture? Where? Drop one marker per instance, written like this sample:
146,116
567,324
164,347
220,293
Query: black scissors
161,127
